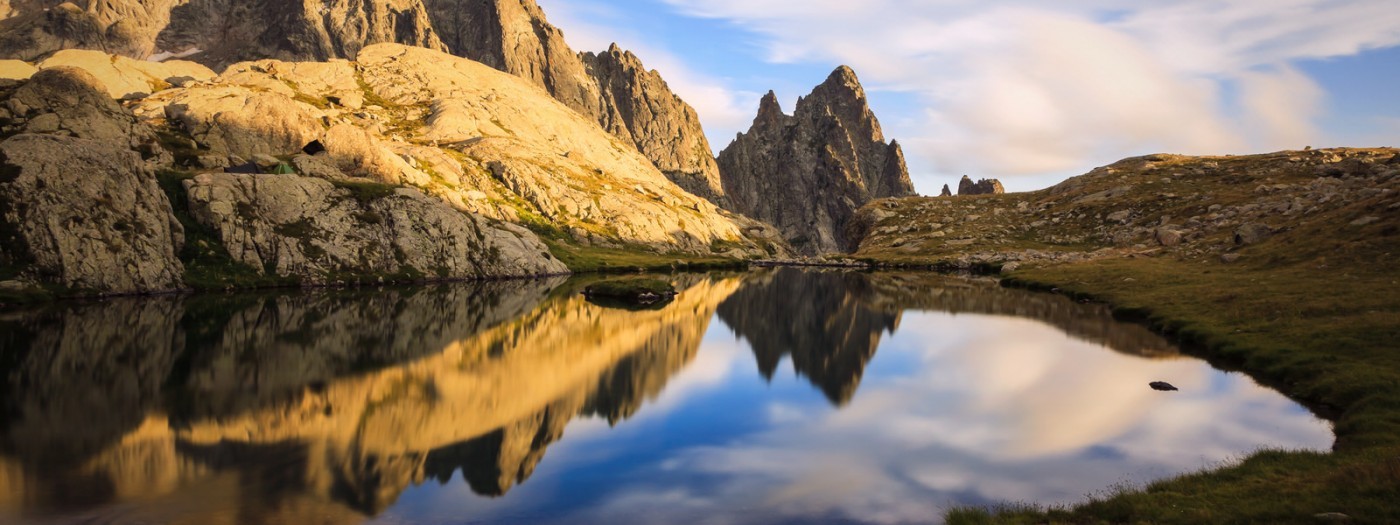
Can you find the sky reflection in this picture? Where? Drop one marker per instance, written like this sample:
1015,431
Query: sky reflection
768,397
963,409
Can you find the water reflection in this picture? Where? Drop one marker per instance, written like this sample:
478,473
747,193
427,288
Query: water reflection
332,406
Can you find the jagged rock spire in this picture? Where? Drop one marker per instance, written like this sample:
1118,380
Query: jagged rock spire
807,173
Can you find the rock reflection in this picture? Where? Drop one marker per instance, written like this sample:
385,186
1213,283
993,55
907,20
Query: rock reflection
317,407
831,322
326,406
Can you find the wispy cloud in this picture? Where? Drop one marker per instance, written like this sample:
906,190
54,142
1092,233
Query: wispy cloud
1030,87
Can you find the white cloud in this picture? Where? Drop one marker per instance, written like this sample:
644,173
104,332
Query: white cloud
1035,87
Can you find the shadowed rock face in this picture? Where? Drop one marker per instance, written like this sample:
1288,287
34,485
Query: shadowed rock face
639,107
79,202
808,173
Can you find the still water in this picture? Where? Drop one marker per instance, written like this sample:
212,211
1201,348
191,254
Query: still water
781,396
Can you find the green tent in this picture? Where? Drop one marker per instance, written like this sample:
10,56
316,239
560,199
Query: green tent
283,169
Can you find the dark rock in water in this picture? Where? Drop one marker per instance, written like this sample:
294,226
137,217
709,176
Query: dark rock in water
946,192
1162,386
630,293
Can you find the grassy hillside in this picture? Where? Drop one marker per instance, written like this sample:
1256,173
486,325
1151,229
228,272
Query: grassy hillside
1279,265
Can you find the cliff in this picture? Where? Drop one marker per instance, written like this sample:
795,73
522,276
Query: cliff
611,88
807,173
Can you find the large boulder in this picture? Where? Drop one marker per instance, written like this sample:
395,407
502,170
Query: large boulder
71,101
85,214
319,231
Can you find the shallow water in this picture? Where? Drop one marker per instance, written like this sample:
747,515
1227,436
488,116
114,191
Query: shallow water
771,397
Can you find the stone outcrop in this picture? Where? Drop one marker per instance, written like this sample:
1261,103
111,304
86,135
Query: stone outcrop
611,88
808,172
1314,206
79,202
981,187
639,107
946,192
306,227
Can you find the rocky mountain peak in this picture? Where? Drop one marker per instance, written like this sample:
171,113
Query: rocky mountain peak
770,111
612,89
807,173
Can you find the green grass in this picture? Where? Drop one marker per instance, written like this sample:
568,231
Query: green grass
1328,341
630,287
1313,312
584,259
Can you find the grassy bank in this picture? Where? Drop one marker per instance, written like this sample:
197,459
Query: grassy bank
1281,266
1328,340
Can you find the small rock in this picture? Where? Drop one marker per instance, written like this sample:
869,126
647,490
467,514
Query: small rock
11,286
1365,220
1168,237
1228,258
265,160
1010,267
1162,386
1120,216
1251,233
1332,516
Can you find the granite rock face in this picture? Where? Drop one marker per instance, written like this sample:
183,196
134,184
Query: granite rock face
611,88
308,228
807,173
86,214
981,187
79,203
639,107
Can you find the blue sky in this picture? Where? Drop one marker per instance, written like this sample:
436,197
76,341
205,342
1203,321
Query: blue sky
1031,91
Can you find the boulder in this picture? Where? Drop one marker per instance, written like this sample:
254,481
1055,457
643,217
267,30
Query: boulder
236,120
123,77
86,214
319,232
1251,233
70,101
981,187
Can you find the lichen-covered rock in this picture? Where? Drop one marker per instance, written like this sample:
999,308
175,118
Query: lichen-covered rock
807,173
319,232
562,165
86,214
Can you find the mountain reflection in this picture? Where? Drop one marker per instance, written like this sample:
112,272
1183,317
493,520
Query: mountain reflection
325,406
830,323
321,406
